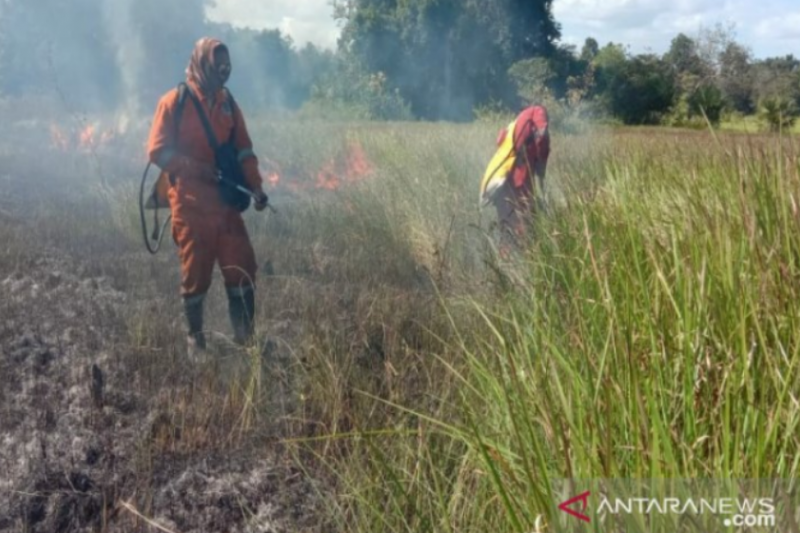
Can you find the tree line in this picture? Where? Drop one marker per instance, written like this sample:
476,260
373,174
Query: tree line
415,59
697,81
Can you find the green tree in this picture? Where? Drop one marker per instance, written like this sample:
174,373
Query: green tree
706,101
736,78
777,78
689,69
309,67
567,67
684,58
637,90
349,91
532,78
779,113
447,56
609,65
590,49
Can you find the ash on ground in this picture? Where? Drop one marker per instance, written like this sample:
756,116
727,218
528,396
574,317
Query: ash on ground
84,449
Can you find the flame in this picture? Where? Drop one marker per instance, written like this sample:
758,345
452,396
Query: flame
346,169
273,179
327,178
85,139
89,138
59,138
357,162
354,168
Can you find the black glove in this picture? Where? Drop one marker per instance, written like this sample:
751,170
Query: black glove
261,201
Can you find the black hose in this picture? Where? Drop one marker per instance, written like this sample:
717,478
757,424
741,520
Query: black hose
158,231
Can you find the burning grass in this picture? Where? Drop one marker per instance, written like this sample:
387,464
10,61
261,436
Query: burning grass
649,332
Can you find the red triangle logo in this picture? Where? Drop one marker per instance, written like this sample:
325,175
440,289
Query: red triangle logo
567,506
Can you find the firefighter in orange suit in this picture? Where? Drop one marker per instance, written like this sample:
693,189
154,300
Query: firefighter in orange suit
205,229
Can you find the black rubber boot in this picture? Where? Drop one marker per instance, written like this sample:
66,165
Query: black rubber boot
242,310
196,339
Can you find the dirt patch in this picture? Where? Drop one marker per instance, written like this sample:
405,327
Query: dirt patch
77,436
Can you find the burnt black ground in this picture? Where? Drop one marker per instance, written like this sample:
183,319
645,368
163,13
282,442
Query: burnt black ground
79,432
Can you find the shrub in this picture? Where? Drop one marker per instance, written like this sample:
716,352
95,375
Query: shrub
779,113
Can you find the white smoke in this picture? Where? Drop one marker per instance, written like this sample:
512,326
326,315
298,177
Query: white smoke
130,55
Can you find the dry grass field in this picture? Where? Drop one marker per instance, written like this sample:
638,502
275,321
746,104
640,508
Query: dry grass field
405,378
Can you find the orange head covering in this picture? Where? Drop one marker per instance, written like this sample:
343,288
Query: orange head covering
202,72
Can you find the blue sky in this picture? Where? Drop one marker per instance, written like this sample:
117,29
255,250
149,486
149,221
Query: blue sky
645,25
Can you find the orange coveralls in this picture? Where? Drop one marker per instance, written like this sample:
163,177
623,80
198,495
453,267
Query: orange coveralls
205,229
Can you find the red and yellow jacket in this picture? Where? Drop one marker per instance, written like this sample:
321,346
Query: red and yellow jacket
520,146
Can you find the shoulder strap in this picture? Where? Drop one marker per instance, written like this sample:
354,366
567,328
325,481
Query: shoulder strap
233,112
183,89
212,139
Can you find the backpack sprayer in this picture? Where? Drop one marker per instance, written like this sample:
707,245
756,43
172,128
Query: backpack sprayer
157,200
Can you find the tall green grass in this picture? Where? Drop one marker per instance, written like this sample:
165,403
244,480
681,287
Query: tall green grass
651,333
